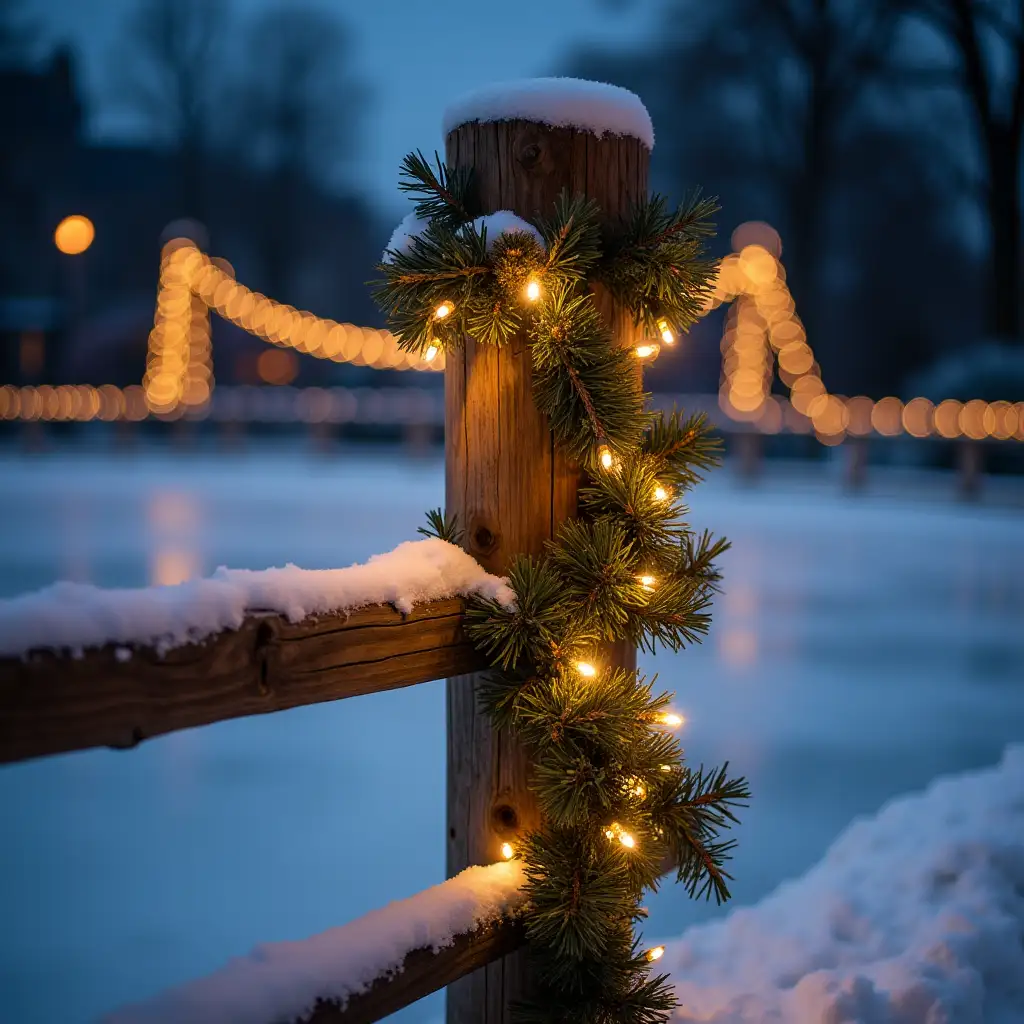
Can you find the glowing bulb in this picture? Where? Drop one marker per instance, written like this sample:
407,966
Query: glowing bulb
585,669
604,453
666,767
655,954
442,311
627,840
609,833
431,354
671,719
666,332
533,290
647,582
507,852
660,493
647,351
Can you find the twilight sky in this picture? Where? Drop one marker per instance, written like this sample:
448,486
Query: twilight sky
478,41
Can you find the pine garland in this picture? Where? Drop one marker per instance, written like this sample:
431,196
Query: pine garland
617,800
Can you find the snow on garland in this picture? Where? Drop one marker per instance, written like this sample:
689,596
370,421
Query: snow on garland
282,981
615,795
74,616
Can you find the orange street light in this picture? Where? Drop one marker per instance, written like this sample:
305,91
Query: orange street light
74,234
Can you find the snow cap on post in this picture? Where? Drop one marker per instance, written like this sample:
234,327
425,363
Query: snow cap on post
559,102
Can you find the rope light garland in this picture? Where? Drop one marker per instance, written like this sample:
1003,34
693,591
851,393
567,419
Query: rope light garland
614,792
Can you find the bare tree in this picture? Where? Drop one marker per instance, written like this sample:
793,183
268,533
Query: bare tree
166,70
297,111
985,39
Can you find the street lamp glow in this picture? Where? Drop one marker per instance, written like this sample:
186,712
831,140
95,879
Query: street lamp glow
74,234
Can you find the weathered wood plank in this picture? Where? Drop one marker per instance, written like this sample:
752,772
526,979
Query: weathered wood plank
51,703
424,971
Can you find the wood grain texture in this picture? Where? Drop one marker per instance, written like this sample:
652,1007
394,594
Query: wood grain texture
423,971
511,489
51,703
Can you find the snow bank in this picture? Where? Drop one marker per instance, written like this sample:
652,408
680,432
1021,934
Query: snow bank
560,102
281,981
76,615
915,916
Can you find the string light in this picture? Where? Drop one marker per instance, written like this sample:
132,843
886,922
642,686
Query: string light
507,852
666,767
616,831
604,454
666,332
647,582
655,954
585,669
533,289
660,493
443,310
431,354
669,718
627,840
648,350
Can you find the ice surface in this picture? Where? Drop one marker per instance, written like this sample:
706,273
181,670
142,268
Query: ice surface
913,916
560,102
864,644
282,980
73,616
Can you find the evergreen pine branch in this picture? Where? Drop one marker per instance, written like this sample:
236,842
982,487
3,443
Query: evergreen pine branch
595,564
657,268
587,387
681,447
701,808
442,526
571,236
441,194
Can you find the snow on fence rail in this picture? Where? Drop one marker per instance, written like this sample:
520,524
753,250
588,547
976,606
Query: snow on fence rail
83,667
362,970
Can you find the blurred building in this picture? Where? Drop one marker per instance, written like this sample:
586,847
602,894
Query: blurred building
85,318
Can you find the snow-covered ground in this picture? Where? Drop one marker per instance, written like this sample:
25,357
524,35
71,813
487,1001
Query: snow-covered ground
863,646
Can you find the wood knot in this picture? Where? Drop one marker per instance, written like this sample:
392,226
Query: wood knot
483,540
504,819
530,150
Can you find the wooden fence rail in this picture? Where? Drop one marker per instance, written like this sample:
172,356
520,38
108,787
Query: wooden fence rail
51,703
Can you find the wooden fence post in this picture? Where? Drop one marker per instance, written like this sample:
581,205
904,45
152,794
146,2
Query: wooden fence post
511,488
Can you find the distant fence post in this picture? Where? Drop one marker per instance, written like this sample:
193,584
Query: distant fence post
511,488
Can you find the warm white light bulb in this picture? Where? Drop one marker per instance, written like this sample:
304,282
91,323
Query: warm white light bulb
648,350
431,354
507,852
442,311
647,582
627,840
660,493
585,669
666,332
606,457
671,719
666,767
655,954
533,290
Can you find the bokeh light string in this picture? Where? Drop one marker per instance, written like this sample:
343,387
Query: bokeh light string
762,329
